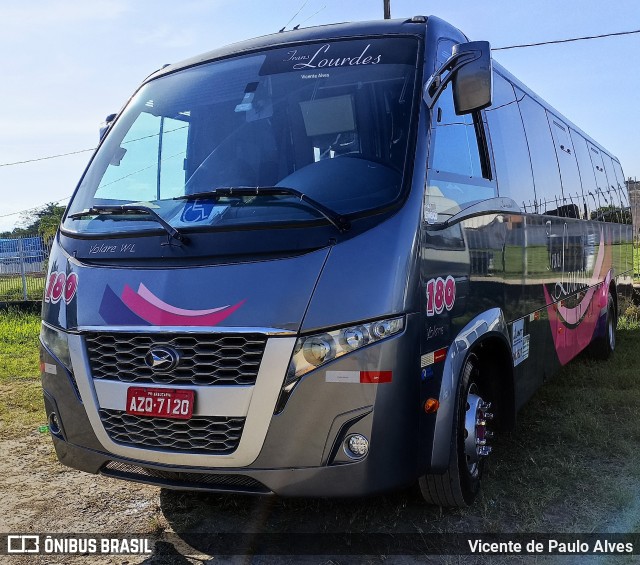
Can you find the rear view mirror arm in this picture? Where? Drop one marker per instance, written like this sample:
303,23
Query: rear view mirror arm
436,84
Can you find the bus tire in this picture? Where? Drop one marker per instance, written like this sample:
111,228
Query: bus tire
460,484
604,346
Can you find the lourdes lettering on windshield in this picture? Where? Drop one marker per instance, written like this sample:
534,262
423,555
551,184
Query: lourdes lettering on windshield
321,59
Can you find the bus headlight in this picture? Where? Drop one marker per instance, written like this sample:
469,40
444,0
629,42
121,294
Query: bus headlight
313,351
318,349
56,341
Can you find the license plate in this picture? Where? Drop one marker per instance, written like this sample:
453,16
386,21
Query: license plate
160,402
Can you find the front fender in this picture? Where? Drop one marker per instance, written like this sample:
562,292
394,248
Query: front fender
488,324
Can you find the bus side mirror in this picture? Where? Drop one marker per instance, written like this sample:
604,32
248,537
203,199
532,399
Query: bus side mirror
104,126
469,70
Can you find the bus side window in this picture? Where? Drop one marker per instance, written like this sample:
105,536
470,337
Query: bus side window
565,153
509,144
587,174
544,163
601,203
611,191
459,170
622,191
456,148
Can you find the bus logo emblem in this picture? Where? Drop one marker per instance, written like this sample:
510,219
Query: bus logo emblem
162,359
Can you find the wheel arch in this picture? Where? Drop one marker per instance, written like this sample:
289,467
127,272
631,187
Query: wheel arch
487,337
496,378
613,289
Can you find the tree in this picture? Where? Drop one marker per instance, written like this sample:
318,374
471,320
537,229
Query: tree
42,221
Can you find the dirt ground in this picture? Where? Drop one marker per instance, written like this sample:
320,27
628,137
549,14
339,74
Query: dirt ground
38,494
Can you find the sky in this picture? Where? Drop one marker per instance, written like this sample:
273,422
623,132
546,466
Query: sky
66,64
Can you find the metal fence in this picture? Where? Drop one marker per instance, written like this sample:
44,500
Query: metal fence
23,268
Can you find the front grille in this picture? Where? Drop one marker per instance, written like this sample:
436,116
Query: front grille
205,359
211,435
181,479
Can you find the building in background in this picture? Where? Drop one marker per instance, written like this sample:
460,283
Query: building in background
633,185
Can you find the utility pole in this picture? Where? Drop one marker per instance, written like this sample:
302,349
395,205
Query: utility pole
387,9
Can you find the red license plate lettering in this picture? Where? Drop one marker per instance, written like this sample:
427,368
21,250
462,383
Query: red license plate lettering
160,402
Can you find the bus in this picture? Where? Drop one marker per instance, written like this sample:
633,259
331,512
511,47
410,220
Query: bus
327,262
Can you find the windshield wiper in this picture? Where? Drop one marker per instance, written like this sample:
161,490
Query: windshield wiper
340,222
107,210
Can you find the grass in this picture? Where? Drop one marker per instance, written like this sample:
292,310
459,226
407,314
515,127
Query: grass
575,454
18,344
20,391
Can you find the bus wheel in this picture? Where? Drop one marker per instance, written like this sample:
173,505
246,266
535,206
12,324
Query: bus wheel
604,346
460,484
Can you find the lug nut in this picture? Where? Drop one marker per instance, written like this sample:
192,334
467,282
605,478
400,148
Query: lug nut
488,434
481,423
481,442
484,451
488,416
485,406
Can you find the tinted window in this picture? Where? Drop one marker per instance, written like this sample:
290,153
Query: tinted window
543,156
455,148
625,213
600,200
456,167
587,176
571,188
509,144
622,187
612,189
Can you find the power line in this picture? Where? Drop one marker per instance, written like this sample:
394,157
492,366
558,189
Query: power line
570,40
86,150
34,208
45,158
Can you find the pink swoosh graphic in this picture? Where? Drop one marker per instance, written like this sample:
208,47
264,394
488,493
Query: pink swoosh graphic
154,314
571,341
568,341
573,315
145,293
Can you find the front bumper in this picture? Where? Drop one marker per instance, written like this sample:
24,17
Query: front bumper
297,452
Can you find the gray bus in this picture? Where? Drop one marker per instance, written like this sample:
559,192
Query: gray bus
327,262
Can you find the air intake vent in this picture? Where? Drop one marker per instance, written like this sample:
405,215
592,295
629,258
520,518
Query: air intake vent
232,482
211,435
204,359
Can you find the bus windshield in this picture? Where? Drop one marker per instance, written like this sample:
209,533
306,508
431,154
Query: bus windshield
330,120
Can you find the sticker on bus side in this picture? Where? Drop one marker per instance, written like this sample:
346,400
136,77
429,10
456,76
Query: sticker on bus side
433,357
61,286
441,295
360,377
520,342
